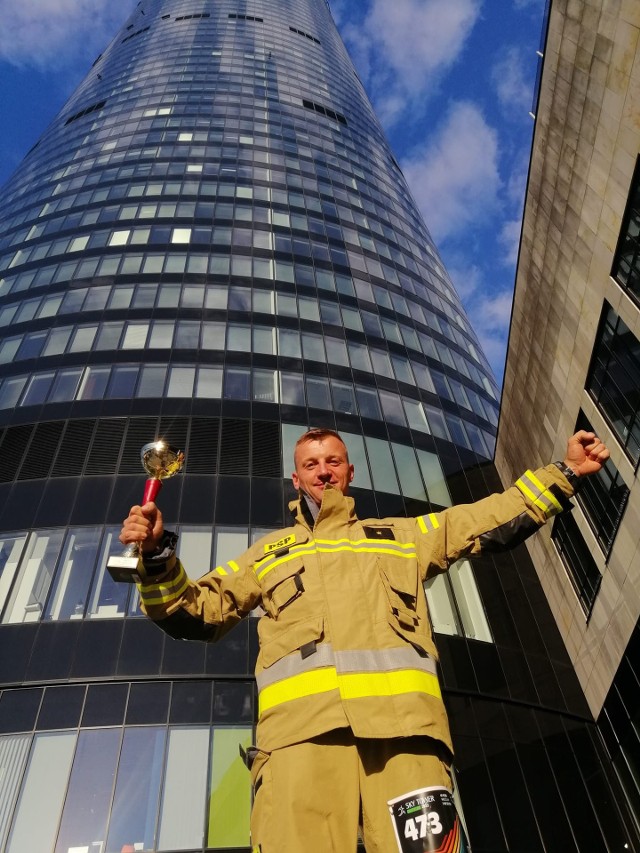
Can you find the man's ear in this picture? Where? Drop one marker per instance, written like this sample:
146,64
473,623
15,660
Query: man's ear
296,481
352,472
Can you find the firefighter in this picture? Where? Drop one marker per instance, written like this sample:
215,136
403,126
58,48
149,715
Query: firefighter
352,730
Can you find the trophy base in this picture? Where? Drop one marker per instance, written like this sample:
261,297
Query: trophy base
125,569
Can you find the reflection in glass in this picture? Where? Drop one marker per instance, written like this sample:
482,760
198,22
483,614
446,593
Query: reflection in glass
11,546
135,804
86,808
185,790
74,574
230,789
230,542
34,578
43,793
469,603
13,754
108,598
194,550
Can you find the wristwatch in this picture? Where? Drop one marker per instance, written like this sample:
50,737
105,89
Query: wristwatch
570,474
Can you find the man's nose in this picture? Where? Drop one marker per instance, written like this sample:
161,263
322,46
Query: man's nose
323,471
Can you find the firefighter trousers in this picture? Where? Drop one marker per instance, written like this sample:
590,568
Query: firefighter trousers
315,796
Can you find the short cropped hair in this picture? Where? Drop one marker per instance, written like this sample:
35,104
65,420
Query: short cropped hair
318,434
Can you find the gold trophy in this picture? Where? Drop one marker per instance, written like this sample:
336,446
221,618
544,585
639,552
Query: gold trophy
160,461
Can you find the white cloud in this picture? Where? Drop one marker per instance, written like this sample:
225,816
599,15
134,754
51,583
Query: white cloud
58,33
510,241
402,48
455,178
491,318
511,83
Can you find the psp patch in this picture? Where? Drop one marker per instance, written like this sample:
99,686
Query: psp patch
426,820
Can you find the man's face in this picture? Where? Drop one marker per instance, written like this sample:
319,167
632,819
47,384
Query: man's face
321,462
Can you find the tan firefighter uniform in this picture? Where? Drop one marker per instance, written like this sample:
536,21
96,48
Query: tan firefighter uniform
346,642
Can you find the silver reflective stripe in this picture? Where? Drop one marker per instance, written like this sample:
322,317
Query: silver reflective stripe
378,660
383,660
294,664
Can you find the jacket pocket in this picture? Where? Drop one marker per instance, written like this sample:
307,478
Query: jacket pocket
401,587
276,643
282,586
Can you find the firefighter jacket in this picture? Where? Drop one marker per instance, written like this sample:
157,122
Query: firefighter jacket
345,639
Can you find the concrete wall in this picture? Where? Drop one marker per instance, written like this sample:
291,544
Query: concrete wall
587,139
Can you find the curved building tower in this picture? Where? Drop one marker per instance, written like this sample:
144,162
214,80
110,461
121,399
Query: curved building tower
213,243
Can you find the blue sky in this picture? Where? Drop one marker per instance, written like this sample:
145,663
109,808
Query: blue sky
452,81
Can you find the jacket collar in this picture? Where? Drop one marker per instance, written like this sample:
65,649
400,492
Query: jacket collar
335,506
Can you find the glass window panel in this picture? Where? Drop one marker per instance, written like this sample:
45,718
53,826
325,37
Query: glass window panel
74,573
13,755
135,804
289,343
209,383
337,351
237,382
408,472
239,338
120,298
434,478
216,298
437,422
265,385
169,296
358,458
457,431
187,334
470,608
43,793
368,403
402,370
264,340
415,415
194,550
181,235
94,383
359,355
441,607
286,305
135,336
57,341
229,793
381,465
161,335
351,319
309,309
230,542
65,385
8,349
109,336
181,381
108,598
392,408
37,389
318,395
11,547
86,808
34,578
152,380
344,399
291,389
185,790
381,363
11,391
313,347
123,381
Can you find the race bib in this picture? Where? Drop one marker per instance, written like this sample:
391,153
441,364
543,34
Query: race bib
426,820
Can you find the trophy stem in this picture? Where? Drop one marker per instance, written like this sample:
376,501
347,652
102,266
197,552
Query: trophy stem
151,489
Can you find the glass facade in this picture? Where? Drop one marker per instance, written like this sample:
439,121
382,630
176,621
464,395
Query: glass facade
214,244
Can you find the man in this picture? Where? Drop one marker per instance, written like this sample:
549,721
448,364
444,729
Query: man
351,720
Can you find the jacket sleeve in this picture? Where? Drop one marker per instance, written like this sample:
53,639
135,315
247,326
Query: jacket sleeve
496,523
205,609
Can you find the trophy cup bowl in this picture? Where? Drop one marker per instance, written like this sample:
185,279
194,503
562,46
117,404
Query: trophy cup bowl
161,461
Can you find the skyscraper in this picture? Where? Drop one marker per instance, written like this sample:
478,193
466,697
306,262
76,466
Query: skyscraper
214,244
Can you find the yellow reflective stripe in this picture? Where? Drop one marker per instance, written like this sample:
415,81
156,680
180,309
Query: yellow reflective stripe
542,498
297,551
334,546
306,684
231,564
350,685
429,522
166,591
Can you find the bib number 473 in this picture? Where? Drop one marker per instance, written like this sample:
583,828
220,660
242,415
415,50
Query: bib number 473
418,826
